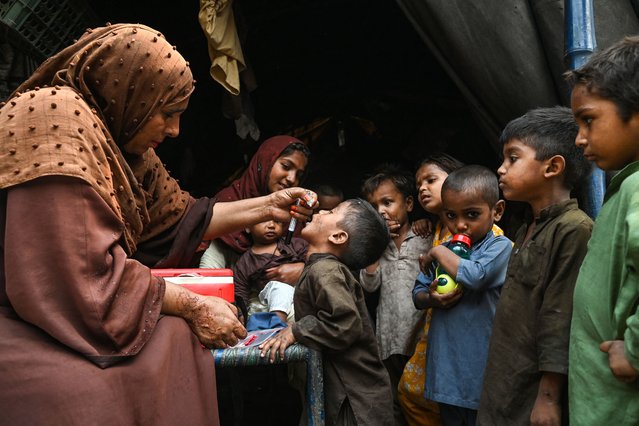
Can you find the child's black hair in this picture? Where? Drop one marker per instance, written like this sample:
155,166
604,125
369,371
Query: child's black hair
329,191
368,234
477,179
613,74
444,161
403,181
549,132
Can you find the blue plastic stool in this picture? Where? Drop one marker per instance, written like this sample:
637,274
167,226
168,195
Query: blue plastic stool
295,353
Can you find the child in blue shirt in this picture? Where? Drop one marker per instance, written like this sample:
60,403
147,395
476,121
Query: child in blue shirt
459,336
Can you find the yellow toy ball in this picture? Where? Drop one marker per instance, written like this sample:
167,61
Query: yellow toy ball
445,284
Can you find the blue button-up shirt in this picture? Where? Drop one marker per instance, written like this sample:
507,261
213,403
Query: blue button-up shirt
458,337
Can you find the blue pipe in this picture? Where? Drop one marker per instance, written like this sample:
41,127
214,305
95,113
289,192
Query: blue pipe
580,31
580,43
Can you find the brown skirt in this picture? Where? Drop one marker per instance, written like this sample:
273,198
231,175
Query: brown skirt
171,381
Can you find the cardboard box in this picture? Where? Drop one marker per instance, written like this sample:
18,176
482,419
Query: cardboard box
208,282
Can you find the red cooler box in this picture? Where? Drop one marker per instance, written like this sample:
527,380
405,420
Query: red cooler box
208,282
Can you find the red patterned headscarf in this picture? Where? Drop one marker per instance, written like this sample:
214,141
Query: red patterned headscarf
253,183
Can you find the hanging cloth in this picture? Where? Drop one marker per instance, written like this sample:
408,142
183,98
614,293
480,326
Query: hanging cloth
227,61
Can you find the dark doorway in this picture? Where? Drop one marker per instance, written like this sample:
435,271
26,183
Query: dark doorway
356,65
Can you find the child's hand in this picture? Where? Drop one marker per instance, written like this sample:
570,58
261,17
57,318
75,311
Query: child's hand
288,273
443,301
545,413
547,408
393,227
278,343
425,260
619,365
423,228
372,267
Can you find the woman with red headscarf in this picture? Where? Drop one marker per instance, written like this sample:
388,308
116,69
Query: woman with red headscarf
87,334
279,163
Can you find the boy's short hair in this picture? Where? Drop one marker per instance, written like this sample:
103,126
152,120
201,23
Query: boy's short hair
613,74
477,179
368,234
403,181
549,132
444,161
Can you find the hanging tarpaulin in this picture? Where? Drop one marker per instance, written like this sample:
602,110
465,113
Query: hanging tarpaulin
508,57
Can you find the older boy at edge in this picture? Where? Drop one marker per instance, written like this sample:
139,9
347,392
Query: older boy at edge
604,338
331,315
458,336
525,377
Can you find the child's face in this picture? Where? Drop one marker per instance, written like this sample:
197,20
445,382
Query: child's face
429,179
467,213
324,224
266,232
520,174
605,138
391,203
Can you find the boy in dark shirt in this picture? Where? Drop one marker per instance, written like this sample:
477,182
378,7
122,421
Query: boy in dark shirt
525,377
331,314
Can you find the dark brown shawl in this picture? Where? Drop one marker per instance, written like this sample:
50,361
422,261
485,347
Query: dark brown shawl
72,302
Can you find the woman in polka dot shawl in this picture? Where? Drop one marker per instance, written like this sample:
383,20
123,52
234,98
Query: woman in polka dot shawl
87,334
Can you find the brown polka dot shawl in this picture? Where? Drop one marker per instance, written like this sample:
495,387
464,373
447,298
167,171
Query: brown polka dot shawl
80,107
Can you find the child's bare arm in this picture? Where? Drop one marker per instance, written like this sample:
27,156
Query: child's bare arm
425,260
619,364
370,277
438,254
423,228
447,260
277,343
547,408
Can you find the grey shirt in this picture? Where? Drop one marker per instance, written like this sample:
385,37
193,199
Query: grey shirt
395,277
